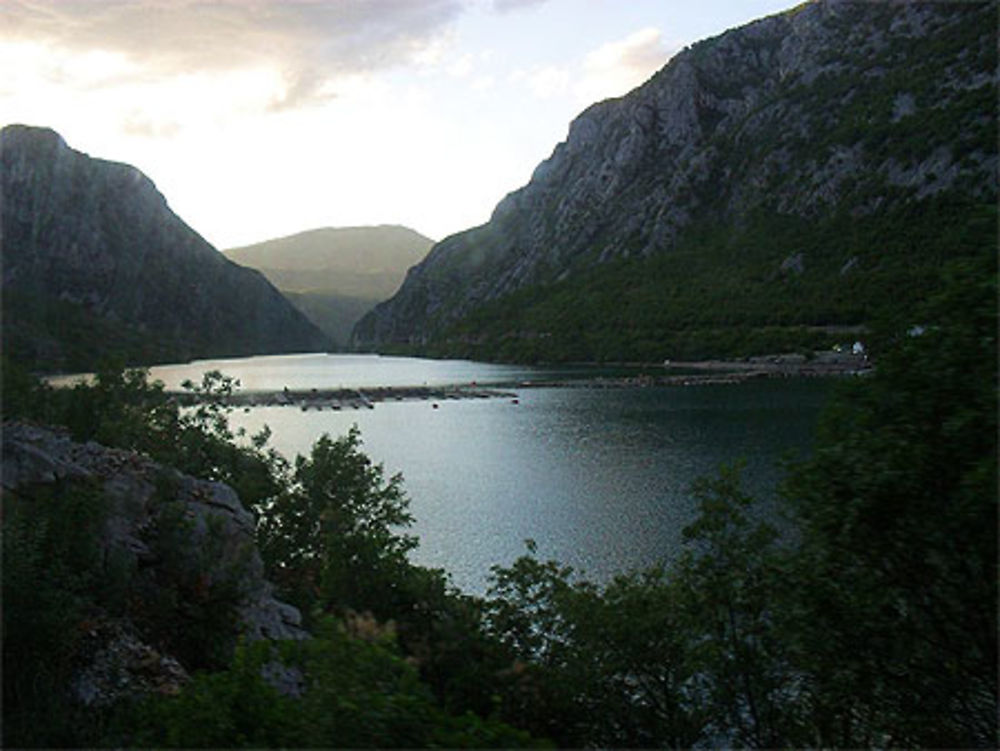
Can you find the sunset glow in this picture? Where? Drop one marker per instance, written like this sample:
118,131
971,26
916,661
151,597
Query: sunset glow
261,118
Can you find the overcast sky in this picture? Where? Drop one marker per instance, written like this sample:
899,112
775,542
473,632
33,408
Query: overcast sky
259,118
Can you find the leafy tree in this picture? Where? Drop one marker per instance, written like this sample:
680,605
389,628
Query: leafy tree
873,622
656,657
730,591
123,408
350,692
331,538
896,613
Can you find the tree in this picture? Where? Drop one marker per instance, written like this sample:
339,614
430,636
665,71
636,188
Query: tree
896,607
729,584
345,692
595,666
331,539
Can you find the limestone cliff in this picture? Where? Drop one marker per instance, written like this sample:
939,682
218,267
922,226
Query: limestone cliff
95,262
849,107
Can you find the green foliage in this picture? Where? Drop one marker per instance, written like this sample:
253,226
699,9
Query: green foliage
351,693
52,574
722,293
730,592
120,407
591,666
189,604
330,521
59,575
21,393
871,622
897,618
656,657
200,442
50,334
334,542
332,537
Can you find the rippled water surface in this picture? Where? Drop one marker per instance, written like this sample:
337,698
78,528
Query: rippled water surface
599,478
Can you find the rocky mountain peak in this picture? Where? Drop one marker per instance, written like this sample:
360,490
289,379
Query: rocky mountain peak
801,113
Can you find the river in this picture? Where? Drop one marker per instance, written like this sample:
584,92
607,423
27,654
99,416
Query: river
599,478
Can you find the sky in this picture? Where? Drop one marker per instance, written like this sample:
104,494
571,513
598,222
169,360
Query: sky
258,118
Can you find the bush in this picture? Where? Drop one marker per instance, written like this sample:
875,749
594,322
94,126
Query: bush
352,693
53,580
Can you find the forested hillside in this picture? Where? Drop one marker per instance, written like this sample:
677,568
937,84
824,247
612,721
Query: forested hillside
871,622
811,171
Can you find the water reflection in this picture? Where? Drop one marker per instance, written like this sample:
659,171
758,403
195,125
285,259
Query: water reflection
599,478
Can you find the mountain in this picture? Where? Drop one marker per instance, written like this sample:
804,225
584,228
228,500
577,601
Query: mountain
335,275
768,188
96,264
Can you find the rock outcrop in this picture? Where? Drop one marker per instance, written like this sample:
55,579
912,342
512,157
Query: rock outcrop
832,106
96,263
163,526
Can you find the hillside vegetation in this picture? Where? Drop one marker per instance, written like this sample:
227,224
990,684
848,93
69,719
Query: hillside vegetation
811,171
736,293
872,622
95,264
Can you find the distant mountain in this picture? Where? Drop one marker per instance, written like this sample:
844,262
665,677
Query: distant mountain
336,275
813,170
95,264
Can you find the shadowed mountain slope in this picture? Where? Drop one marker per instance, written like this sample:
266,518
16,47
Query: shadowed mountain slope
96,264
337,274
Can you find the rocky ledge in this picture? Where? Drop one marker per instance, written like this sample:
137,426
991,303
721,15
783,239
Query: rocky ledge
143,498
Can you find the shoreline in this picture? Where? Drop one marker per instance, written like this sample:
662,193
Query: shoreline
702,373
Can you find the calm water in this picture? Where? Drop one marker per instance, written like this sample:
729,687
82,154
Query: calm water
335,371
599,478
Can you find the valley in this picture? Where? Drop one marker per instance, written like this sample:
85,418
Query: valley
336,275
691,443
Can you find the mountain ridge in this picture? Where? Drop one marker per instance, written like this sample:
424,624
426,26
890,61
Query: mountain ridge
832,107
334,275
96,264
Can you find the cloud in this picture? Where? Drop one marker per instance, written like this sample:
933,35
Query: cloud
544,82
617,67
462,67
310,42
506,6
611,70
484,83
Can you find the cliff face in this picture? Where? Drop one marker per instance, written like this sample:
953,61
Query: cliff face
853,107
94,261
